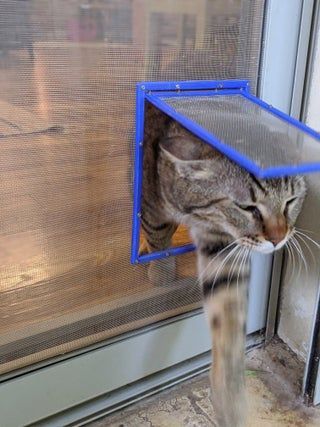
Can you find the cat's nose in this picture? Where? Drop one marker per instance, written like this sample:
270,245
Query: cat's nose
275,240
276,229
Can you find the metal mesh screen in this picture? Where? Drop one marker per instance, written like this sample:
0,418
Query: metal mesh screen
67,85
251,130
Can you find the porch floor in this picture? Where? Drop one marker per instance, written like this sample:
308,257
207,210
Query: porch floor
273,382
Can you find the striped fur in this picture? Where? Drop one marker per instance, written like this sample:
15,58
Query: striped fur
229,213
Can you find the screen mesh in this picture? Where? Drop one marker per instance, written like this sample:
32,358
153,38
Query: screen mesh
261,136
68,71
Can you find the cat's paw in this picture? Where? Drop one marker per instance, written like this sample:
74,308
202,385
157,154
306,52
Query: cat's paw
162,272
143,248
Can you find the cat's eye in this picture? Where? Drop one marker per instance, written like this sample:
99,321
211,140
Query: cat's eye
253,209
288,204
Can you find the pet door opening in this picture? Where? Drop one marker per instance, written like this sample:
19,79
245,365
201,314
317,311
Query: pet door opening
263,140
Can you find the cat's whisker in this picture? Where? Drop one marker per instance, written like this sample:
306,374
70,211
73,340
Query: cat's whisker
201,274
236,256
233,265
295,259
241,256
299,261
301,253
243,253
307,237
302,240
223,263
225,260
307,246
291,259
242,265
303,229
295,248
248,258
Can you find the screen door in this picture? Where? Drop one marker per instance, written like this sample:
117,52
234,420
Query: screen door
68,72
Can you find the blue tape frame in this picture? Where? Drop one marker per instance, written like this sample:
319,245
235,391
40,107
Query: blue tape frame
152,92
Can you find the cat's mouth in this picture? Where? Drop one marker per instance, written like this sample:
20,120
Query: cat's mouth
262,245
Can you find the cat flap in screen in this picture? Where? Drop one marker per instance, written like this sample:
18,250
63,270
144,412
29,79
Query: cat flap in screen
258,137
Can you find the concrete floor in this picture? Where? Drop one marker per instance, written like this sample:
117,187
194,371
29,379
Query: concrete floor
273,383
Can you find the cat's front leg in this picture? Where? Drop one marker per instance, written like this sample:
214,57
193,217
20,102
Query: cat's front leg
225,301
158,235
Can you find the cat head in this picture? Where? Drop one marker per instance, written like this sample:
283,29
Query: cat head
211,194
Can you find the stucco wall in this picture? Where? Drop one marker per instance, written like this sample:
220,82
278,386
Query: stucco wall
299,292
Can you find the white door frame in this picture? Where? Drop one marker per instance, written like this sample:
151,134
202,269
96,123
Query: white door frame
311,383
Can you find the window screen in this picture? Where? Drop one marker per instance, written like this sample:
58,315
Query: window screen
68,71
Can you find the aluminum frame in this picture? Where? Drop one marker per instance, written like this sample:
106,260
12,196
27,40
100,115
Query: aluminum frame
153,92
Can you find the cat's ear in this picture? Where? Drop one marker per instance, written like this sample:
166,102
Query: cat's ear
188,162
182,148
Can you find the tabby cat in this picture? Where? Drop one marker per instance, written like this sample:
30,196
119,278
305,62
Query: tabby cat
229,213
